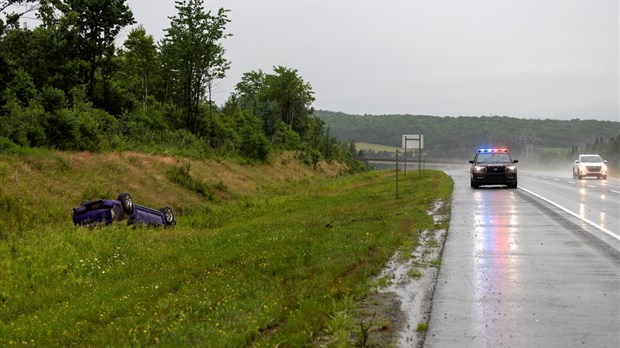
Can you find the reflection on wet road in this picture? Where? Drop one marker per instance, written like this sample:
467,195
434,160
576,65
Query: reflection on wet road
594,202
495,250
518,272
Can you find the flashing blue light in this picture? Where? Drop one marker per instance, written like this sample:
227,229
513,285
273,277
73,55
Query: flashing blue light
492,150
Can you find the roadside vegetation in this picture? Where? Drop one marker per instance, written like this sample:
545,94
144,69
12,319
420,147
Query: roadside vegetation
272,256
95,93
280,226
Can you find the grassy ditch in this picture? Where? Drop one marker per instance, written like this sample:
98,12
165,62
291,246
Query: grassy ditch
271,266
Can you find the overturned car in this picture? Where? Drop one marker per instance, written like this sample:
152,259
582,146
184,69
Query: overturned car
106,211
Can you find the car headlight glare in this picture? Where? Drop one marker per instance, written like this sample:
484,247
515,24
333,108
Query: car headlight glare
511,168
479,169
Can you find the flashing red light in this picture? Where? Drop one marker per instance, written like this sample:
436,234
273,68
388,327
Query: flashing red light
493,150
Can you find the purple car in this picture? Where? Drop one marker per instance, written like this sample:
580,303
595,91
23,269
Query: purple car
106,211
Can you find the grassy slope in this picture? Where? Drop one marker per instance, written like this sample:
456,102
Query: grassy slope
270,260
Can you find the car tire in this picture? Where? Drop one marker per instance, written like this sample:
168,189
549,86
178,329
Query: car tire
604,177
513,186
476,185
168,216
126,203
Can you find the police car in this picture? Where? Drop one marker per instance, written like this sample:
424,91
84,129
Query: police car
493,167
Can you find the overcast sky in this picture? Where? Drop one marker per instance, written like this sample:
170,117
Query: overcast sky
555,59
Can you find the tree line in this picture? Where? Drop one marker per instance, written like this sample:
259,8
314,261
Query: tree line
65,85
457,138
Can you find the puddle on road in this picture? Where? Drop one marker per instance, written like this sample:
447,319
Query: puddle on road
406,300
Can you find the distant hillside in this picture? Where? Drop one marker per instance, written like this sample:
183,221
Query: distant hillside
458,137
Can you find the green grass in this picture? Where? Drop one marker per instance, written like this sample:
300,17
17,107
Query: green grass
278,265
376,147
422,327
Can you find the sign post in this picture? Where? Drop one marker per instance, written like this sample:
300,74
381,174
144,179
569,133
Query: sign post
413,141
396,174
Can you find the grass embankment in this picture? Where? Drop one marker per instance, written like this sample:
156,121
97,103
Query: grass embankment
262,255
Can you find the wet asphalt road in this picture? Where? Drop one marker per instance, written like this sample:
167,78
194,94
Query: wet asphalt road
538,266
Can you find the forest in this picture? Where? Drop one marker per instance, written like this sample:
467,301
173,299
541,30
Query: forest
65,85
457,138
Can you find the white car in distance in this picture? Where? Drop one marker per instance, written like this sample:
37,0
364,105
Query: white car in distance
590,165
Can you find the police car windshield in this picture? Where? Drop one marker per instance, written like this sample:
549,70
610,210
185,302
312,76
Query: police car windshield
493,157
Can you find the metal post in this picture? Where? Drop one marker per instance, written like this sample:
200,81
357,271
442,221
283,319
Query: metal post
396,173
405,155
419,160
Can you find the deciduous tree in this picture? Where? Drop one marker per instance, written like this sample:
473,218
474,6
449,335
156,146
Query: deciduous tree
91,27
140,62
194,55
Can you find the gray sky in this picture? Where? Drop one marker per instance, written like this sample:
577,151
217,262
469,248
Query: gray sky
555,59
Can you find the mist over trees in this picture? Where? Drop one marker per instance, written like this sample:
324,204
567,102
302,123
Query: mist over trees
64,84
457,138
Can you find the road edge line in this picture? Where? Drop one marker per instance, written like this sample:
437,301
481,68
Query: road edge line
593,224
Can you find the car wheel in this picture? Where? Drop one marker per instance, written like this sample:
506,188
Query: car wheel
168,216
476,185
514,186
604,177
126,202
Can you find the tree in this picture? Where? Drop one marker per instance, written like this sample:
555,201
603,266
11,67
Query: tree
19,8
194,56
252,94
248,90
279,97
293,96
140,62
46,53
92,27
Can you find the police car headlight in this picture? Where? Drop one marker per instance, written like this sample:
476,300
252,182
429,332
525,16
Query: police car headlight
511,169
479,169
604,169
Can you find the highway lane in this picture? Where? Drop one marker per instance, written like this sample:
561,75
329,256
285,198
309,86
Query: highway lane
523,268
593,202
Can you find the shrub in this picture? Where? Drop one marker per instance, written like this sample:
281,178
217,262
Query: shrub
53,99
255,146
181,176
7,146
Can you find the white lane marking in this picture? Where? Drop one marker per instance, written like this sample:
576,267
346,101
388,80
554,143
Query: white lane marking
556,179
573,214
591,186
571,182
614,191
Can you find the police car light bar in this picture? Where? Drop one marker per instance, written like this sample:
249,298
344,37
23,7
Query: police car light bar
492,150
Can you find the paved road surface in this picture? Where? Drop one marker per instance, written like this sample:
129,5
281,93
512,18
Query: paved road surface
520,269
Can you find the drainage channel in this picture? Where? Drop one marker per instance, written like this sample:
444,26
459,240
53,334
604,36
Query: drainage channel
407,283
